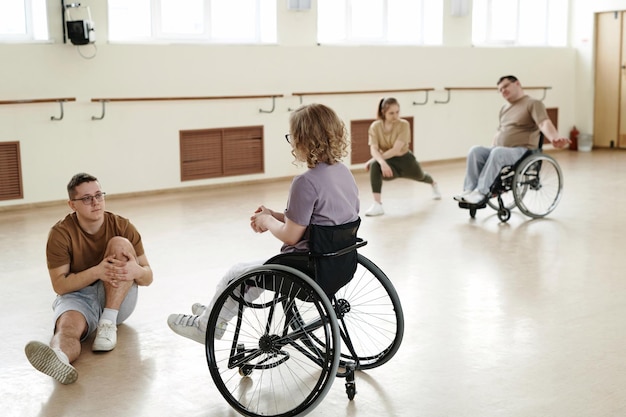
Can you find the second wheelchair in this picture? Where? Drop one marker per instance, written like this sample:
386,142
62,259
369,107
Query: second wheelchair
533,184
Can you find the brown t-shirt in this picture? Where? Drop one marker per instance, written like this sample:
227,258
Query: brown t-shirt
519,123
69,244
400,130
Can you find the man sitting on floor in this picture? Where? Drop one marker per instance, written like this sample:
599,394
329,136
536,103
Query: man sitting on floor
96,261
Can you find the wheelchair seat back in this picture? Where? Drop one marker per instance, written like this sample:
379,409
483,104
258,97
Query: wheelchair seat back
332,257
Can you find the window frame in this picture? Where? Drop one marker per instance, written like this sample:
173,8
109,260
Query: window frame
31,31
486,38
422,39
207,36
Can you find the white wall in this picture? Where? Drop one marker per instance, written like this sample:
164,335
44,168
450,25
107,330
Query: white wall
135,147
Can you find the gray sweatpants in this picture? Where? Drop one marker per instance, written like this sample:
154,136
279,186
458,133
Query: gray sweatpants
485,163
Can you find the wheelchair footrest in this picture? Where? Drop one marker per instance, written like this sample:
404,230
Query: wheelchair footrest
470,206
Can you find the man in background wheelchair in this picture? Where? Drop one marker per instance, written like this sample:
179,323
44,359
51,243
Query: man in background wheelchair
522,120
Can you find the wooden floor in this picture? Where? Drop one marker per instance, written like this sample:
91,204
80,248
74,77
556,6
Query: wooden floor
517,319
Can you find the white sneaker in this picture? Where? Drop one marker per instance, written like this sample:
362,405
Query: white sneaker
106,336
197,309
51,362
475,197
436,193
375,210
461,197
187,326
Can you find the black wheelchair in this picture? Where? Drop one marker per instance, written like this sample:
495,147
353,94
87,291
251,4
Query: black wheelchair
535,182
313,317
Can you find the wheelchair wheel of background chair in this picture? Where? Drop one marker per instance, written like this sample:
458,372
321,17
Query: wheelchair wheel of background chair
537,185
268,361
369,308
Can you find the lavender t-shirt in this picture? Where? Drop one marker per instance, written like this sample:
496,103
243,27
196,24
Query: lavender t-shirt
326,195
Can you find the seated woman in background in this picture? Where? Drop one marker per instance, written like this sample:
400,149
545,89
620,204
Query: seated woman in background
389,138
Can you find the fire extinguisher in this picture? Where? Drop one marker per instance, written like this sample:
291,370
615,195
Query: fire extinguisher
573,137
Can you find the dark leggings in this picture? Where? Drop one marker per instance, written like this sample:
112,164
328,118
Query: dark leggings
405,166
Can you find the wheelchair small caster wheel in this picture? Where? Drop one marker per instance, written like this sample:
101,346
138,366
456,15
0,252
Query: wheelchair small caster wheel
351,390
472,212
504,215
245,370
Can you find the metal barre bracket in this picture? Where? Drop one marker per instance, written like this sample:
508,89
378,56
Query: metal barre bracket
61,116
421,103
103,102
447,100
301,101
273,106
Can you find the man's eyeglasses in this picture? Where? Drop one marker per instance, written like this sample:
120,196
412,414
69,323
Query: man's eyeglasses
288,137
88,200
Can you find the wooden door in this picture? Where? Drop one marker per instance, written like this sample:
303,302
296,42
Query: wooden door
608,47
621,143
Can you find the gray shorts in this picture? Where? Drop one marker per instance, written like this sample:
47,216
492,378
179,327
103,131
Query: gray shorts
90,301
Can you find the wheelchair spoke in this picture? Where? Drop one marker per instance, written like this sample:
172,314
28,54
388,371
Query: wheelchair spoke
538,185
373,317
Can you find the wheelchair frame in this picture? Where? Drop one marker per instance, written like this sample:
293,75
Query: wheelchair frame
288,344
535,182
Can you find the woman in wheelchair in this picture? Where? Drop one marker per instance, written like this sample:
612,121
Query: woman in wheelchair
325,194
522,120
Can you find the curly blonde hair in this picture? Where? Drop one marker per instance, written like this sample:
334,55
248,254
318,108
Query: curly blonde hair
317,135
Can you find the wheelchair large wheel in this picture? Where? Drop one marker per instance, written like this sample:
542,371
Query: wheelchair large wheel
370,318
537,185
268,361
370,313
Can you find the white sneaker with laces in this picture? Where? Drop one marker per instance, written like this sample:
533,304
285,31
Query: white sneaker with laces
475,197
106,336
375,210
187,326
436,192
52,362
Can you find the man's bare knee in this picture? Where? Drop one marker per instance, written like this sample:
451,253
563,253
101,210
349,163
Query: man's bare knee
71,324
119,245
